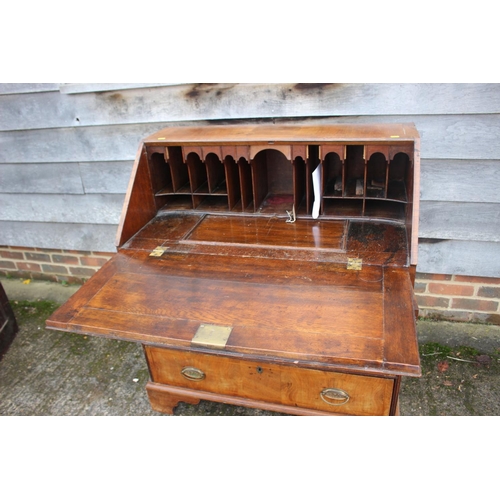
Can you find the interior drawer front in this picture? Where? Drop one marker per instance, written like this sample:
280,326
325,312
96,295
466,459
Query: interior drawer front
307,388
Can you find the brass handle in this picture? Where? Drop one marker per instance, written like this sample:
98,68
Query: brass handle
192,373
335,397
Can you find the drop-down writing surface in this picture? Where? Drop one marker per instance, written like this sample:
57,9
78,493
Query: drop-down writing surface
293,314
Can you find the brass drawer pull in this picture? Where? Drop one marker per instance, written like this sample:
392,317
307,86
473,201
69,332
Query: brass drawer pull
192,373
335,397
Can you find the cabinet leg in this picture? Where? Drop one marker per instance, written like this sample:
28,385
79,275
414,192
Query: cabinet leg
165,402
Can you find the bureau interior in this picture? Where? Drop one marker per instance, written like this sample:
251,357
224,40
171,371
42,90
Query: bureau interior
274,181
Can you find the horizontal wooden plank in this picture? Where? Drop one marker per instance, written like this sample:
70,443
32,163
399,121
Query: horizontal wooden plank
240,101
106,177
83,144
66,178
467,258
41,178
91,237
460,180
460,221
24,88
89,208
443,137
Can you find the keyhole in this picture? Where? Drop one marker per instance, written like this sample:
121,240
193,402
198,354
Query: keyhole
259,369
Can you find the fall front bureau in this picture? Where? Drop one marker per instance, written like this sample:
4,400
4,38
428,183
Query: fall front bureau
267,266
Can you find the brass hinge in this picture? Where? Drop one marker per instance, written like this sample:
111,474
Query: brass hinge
355,264
157,252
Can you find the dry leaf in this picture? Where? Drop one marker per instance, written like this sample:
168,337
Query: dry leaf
443,366
447,383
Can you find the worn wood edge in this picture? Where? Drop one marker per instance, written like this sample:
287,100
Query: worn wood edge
128,195
62,317
189,395
400,339
284,134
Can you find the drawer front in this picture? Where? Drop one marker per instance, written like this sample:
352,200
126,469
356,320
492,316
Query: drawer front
288,385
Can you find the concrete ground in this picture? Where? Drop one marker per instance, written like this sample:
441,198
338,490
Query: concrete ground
46,372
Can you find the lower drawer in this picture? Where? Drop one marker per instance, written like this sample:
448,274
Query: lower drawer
341,393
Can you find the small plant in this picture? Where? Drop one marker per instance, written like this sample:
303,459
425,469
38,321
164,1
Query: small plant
24,309
436,350
467,352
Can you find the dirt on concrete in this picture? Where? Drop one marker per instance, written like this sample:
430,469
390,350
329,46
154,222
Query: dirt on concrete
46,372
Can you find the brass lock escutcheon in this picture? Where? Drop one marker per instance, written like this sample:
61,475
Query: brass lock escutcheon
335,397
192,373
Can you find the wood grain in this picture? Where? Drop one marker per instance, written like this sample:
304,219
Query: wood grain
474,137
70,236
83,209
165,398
466,181
399,314
139,206
315,310
466,258
50,106
284,134
260,381
328,235
79,178
460,221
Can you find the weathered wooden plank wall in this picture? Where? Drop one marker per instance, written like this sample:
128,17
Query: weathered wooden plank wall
66,152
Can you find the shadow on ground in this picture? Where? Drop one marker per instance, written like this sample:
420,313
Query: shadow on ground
46,372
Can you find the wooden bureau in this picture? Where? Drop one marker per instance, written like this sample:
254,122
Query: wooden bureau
269,266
